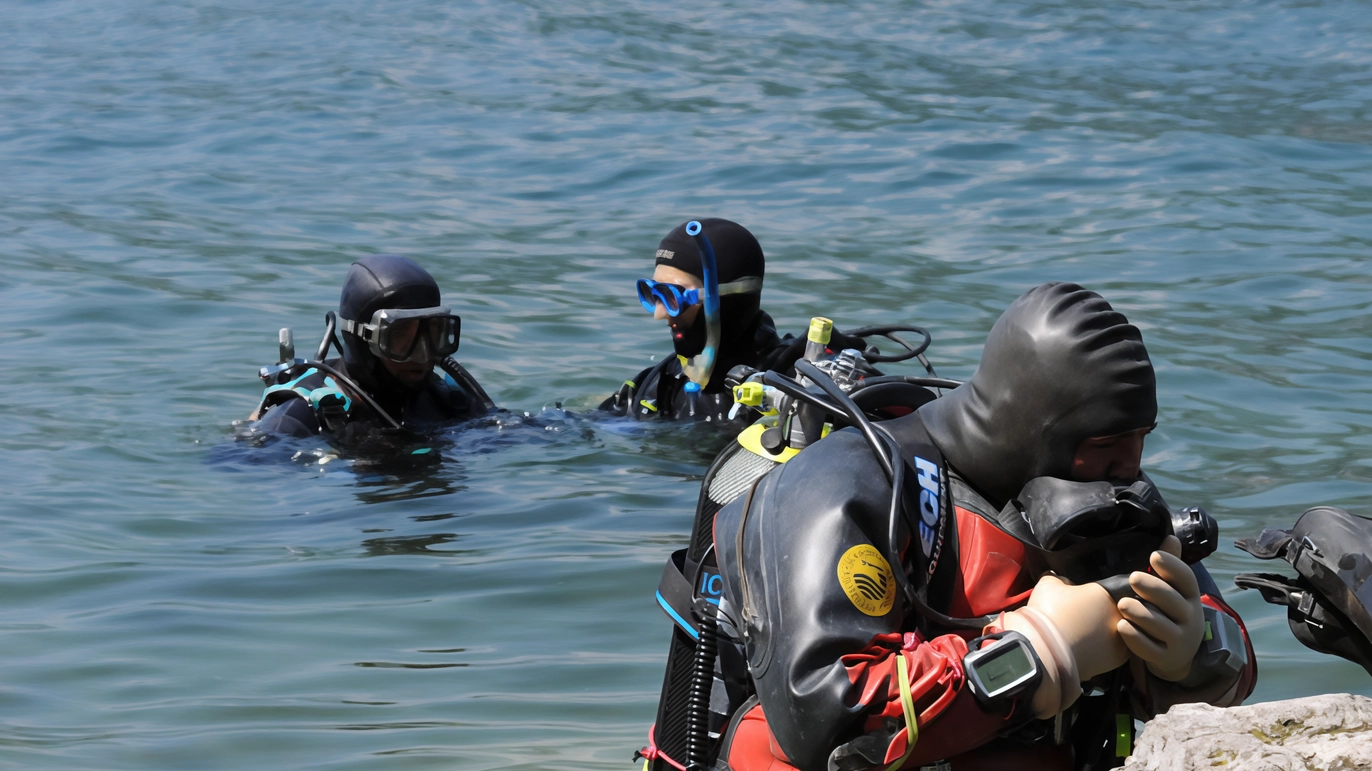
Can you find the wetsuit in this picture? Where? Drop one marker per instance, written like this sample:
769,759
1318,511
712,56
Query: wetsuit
312,402
825,669
656,392
813,628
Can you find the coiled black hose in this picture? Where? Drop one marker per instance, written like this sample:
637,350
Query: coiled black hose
702,681
911,351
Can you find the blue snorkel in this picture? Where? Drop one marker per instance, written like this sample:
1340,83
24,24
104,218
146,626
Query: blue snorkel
699,367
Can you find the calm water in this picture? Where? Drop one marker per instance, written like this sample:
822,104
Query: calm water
183,178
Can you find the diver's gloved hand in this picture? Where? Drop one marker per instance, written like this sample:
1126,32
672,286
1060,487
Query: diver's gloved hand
1074,632
1165,629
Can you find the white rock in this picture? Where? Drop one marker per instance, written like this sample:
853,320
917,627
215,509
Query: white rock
1320,733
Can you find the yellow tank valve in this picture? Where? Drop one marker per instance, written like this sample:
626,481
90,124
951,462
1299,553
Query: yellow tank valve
817,340
821,329
750,394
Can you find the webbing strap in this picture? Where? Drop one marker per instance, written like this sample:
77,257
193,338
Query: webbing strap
907,704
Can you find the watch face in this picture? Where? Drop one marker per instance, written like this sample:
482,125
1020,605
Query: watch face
1004,668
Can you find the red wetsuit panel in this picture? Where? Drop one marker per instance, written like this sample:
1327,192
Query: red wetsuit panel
1248,680
991,572
753,748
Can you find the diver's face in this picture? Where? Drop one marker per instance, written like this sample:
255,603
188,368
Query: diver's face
665,274
411,373
1110,458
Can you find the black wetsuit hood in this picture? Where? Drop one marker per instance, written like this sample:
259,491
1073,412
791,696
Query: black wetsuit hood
1059,366
376,282
737,255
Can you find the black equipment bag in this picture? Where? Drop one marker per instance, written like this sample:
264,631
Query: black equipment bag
1328,602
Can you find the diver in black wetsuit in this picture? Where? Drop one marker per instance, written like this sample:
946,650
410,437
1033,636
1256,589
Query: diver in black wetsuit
747,334
393,330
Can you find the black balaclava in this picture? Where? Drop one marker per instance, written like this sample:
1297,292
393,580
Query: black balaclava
1059,366
376,282
737,255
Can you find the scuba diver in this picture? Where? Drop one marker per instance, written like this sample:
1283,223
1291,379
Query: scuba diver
392,330
711,301
985,580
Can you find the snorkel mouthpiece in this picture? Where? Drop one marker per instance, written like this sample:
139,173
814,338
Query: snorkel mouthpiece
699,367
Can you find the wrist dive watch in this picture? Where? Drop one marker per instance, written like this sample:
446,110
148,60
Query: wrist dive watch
1006,669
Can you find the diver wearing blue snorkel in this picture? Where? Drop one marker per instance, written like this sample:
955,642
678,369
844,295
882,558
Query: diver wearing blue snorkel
707,285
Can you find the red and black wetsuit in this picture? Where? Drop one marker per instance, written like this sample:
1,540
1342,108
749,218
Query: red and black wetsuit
823,658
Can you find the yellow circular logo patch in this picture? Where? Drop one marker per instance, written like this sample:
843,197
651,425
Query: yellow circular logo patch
867,579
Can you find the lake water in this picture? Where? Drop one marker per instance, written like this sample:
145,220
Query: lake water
183,178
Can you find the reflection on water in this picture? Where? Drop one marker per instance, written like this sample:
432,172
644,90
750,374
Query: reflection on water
417,544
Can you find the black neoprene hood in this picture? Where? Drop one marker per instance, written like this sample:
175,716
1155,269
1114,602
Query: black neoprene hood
376,282
737,252
1059,366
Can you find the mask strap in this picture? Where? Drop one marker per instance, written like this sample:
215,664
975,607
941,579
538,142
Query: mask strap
745,285
356,328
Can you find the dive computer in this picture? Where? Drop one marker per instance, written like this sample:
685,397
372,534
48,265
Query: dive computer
1005,669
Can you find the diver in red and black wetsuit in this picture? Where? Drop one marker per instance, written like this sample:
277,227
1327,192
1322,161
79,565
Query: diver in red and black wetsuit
848,672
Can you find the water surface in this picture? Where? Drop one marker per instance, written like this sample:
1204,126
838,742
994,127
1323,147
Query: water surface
184,178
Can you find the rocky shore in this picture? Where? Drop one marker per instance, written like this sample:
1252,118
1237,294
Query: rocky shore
1332,732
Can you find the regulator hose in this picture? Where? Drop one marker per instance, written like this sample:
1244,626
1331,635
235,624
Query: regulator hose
854,412
702,680
927,382
357,391
883,446
330,329
464,378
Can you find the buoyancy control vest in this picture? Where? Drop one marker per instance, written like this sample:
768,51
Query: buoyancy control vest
303,400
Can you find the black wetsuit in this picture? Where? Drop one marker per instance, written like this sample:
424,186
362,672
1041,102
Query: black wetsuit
291,413
656,393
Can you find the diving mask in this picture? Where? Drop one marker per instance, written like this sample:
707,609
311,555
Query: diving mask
676,298
409,334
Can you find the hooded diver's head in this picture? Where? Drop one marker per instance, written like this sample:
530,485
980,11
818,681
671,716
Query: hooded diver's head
1065,389
395,327
740,267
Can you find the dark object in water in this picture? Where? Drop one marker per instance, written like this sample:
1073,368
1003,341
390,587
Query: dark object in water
1327,603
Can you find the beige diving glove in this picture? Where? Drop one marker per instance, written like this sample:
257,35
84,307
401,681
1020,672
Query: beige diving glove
1165,629
1074,632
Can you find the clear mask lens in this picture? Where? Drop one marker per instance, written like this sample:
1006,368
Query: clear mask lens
409,336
